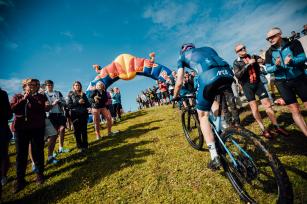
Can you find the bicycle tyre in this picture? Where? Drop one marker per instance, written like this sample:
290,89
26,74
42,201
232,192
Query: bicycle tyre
193,135
279,174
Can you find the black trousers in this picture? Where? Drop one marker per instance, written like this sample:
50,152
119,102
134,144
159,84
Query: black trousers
80,130
5,136
23,139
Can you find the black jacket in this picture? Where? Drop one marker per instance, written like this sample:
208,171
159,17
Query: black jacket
103,99
5,115
5,108
77,109
241,70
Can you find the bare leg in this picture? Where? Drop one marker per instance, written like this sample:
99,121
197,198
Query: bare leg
256,114
51,145
297,117
107,115
205,126
96,119
30,153
269,111
61,134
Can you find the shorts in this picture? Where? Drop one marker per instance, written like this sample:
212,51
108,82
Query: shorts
184,92
289,88
250,90
57,120
208,85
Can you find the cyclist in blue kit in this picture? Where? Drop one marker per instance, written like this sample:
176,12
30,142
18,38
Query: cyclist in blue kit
212,73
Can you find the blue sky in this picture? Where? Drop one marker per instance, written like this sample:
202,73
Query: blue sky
61,39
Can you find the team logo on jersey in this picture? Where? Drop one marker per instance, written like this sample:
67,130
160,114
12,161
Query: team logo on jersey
222,72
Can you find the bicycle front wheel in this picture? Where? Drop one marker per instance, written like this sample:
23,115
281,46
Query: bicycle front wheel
191,129
256,174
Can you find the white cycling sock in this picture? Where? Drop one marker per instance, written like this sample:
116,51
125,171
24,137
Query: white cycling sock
212,150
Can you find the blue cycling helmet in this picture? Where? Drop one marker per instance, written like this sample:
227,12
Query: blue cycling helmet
186,46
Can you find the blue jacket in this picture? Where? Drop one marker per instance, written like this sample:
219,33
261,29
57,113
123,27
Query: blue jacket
116,98
286,72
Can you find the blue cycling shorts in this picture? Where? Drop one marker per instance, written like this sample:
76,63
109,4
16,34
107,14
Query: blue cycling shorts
208,85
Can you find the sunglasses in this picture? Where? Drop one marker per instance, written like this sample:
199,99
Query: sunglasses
271,37
243,48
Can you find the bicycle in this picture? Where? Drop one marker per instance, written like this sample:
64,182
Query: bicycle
190,124
248,164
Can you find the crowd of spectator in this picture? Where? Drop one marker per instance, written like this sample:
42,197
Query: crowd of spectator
40,113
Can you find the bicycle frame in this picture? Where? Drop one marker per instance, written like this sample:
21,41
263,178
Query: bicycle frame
216,124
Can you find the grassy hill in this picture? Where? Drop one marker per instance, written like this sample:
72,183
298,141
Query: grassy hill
150,161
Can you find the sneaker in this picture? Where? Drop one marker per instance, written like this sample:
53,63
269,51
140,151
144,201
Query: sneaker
214,164
113,133
40,179
98,138
63,150
4,180
52,160
55,154
34,168
267,134
282,131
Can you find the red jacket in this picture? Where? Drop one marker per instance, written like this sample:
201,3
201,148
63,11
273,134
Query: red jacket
163,87
29,112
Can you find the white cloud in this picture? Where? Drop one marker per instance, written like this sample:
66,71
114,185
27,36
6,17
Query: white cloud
60,48
11,86
7,3
96,34
68,34
169,14
77,47
240,22
11,45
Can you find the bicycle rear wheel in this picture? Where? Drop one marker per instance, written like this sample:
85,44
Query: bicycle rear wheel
258,175
191,129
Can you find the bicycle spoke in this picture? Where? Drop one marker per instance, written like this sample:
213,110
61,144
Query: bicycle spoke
255,176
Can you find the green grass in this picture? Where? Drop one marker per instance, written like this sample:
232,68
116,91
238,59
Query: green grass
150,161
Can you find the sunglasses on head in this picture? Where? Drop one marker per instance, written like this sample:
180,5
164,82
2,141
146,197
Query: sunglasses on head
243,48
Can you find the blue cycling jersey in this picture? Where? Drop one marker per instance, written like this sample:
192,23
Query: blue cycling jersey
212,72
200,59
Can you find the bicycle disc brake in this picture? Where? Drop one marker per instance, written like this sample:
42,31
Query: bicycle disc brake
246,168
